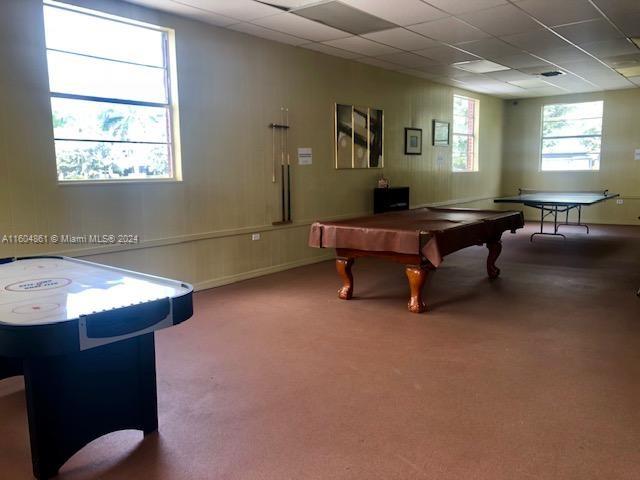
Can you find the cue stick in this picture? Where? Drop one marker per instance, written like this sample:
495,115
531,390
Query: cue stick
284,219
286,146
273,153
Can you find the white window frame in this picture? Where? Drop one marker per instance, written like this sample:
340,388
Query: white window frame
475,136
171,82
543,138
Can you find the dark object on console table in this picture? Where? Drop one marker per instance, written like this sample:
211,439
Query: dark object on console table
418,238
390,199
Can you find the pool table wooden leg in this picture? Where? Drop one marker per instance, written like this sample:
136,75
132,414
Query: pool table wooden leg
343,265
417,276
495,247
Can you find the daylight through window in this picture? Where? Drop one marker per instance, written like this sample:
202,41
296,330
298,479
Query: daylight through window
571,136
465,134
111,97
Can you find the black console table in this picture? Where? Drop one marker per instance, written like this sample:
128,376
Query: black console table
390,199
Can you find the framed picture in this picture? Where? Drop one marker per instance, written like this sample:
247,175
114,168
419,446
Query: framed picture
413,141
359,137
440,133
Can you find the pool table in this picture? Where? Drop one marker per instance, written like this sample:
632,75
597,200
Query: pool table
418,238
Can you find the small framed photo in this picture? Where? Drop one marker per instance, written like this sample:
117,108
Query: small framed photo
413,141
440,133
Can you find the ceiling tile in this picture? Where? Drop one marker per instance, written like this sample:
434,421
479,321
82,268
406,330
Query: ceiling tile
565,55
362,46
446,71
635,80
539,41
622,61
187,11
262,32
409,12
604,78
401,38
571,83
343,17
418,73
456,7
480,66
629,24
522,60
613,7
336,52
588,68
548,91
590,31
531,82
490,48
300,27
502,20
484,82
292,3
450,30
407,60
376,62
446,54
245,10
624,13
614,83
508,75
506,88
610,48
554,12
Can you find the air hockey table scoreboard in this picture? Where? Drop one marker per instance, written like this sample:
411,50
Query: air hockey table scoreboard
82,334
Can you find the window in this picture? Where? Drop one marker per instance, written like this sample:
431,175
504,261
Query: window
465,134
112,97
571,136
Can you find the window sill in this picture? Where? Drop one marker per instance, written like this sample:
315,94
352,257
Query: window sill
568,171
70,183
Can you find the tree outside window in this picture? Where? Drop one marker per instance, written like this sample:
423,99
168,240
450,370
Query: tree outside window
571,136
465,134
112,105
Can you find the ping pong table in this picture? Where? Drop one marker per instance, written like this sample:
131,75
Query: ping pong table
552,203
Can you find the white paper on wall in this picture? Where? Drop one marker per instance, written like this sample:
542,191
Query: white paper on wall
305,156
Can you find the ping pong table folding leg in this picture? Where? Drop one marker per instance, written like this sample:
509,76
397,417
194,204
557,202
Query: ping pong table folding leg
544,212
75,398
579,223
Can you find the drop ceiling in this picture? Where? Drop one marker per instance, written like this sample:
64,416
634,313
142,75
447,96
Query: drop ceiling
588,41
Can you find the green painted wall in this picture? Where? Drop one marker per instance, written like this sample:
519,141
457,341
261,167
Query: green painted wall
231,87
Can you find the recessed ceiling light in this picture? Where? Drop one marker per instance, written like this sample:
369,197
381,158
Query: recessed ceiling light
343,17
629,71
530,83
480,66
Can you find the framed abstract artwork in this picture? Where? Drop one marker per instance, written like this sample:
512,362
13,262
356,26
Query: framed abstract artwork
359,137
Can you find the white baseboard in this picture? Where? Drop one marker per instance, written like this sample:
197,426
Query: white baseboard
259,272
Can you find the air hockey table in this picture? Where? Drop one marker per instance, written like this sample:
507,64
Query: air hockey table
82,334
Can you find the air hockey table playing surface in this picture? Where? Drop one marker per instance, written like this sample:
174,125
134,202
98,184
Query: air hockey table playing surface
42,290
82,334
